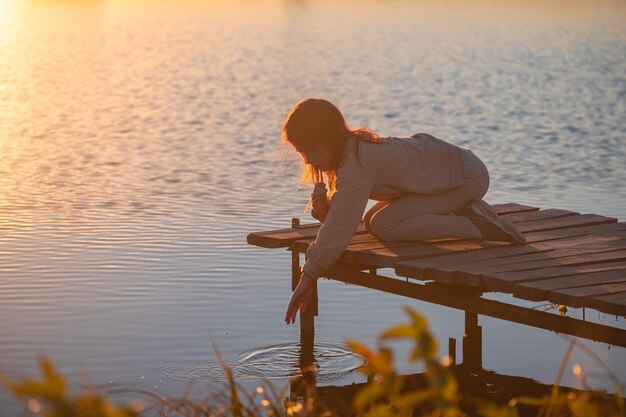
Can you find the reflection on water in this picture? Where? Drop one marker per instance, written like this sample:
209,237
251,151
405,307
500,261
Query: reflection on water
138,149
331,362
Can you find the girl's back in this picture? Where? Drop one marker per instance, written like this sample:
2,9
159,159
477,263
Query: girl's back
419,164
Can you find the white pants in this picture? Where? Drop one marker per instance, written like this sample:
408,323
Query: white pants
430,216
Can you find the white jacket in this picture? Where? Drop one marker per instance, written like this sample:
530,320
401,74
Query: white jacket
421,164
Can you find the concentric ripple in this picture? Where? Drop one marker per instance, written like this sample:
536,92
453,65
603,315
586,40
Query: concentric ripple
330,361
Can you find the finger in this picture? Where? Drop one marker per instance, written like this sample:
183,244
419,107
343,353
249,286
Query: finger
290,311
295,313
288,314
293,316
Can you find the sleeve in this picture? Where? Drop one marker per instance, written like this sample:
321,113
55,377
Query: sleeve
347,206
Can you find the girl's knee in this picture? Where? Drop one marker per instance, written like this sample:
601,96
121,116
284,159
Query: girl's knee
369,215
379,228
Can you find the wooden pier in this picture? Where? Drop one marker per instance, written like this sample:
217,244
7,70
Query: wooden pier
571,259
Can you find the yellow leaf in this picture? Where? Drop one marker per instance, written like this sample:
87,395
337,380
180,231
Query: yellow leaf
359,348
449,390
533,401
418,321
380,411
54,379
400,331
410,401
369,395
493,410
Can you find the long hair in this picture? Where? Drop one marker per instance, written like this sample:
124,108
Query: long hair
313,122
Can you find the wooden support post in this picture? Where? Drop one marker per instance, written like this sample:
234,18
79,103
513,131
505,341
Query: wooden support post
302,386
452,350
472,343
307,329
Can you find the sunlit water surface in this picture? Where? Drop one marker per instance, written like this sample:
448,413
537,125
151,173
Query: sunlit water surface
138,149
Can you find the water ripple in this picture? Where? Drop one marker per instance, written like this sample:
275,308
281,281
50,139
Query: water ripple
330,361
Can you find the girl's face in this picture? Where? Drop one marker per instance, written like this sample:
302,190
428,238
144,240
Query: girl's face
320,157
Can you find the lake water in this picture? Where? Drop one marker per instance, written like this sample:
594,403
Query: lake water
139,148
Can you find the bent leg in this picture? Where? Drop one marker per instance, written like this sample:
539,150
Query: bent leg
367,218
429,216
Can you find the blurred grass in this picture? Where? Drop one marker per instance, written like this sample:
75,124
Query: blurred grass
386,394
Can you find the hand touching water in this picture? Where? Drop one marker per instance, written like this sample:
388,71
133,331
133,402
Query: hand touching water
319,198
300,299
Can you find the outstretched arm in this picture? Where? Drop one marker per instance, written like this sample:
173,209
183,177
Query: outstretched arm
347,207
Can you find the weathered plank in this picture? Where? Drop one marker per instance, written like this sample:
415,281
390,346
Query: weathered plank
442,269
386,254
506,281
594,229
383,254
576,297
526,216
389,256
508,208
598,244
564,222
611,304
479,277
539,289
377,244
282,238
475,277
362,250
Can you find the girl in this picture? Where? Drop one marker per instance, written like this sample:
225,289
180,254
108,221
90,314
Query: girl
426,189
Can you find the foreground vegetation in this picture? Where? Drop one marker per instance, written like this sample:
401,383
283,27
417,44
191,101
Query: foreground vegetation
386,394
